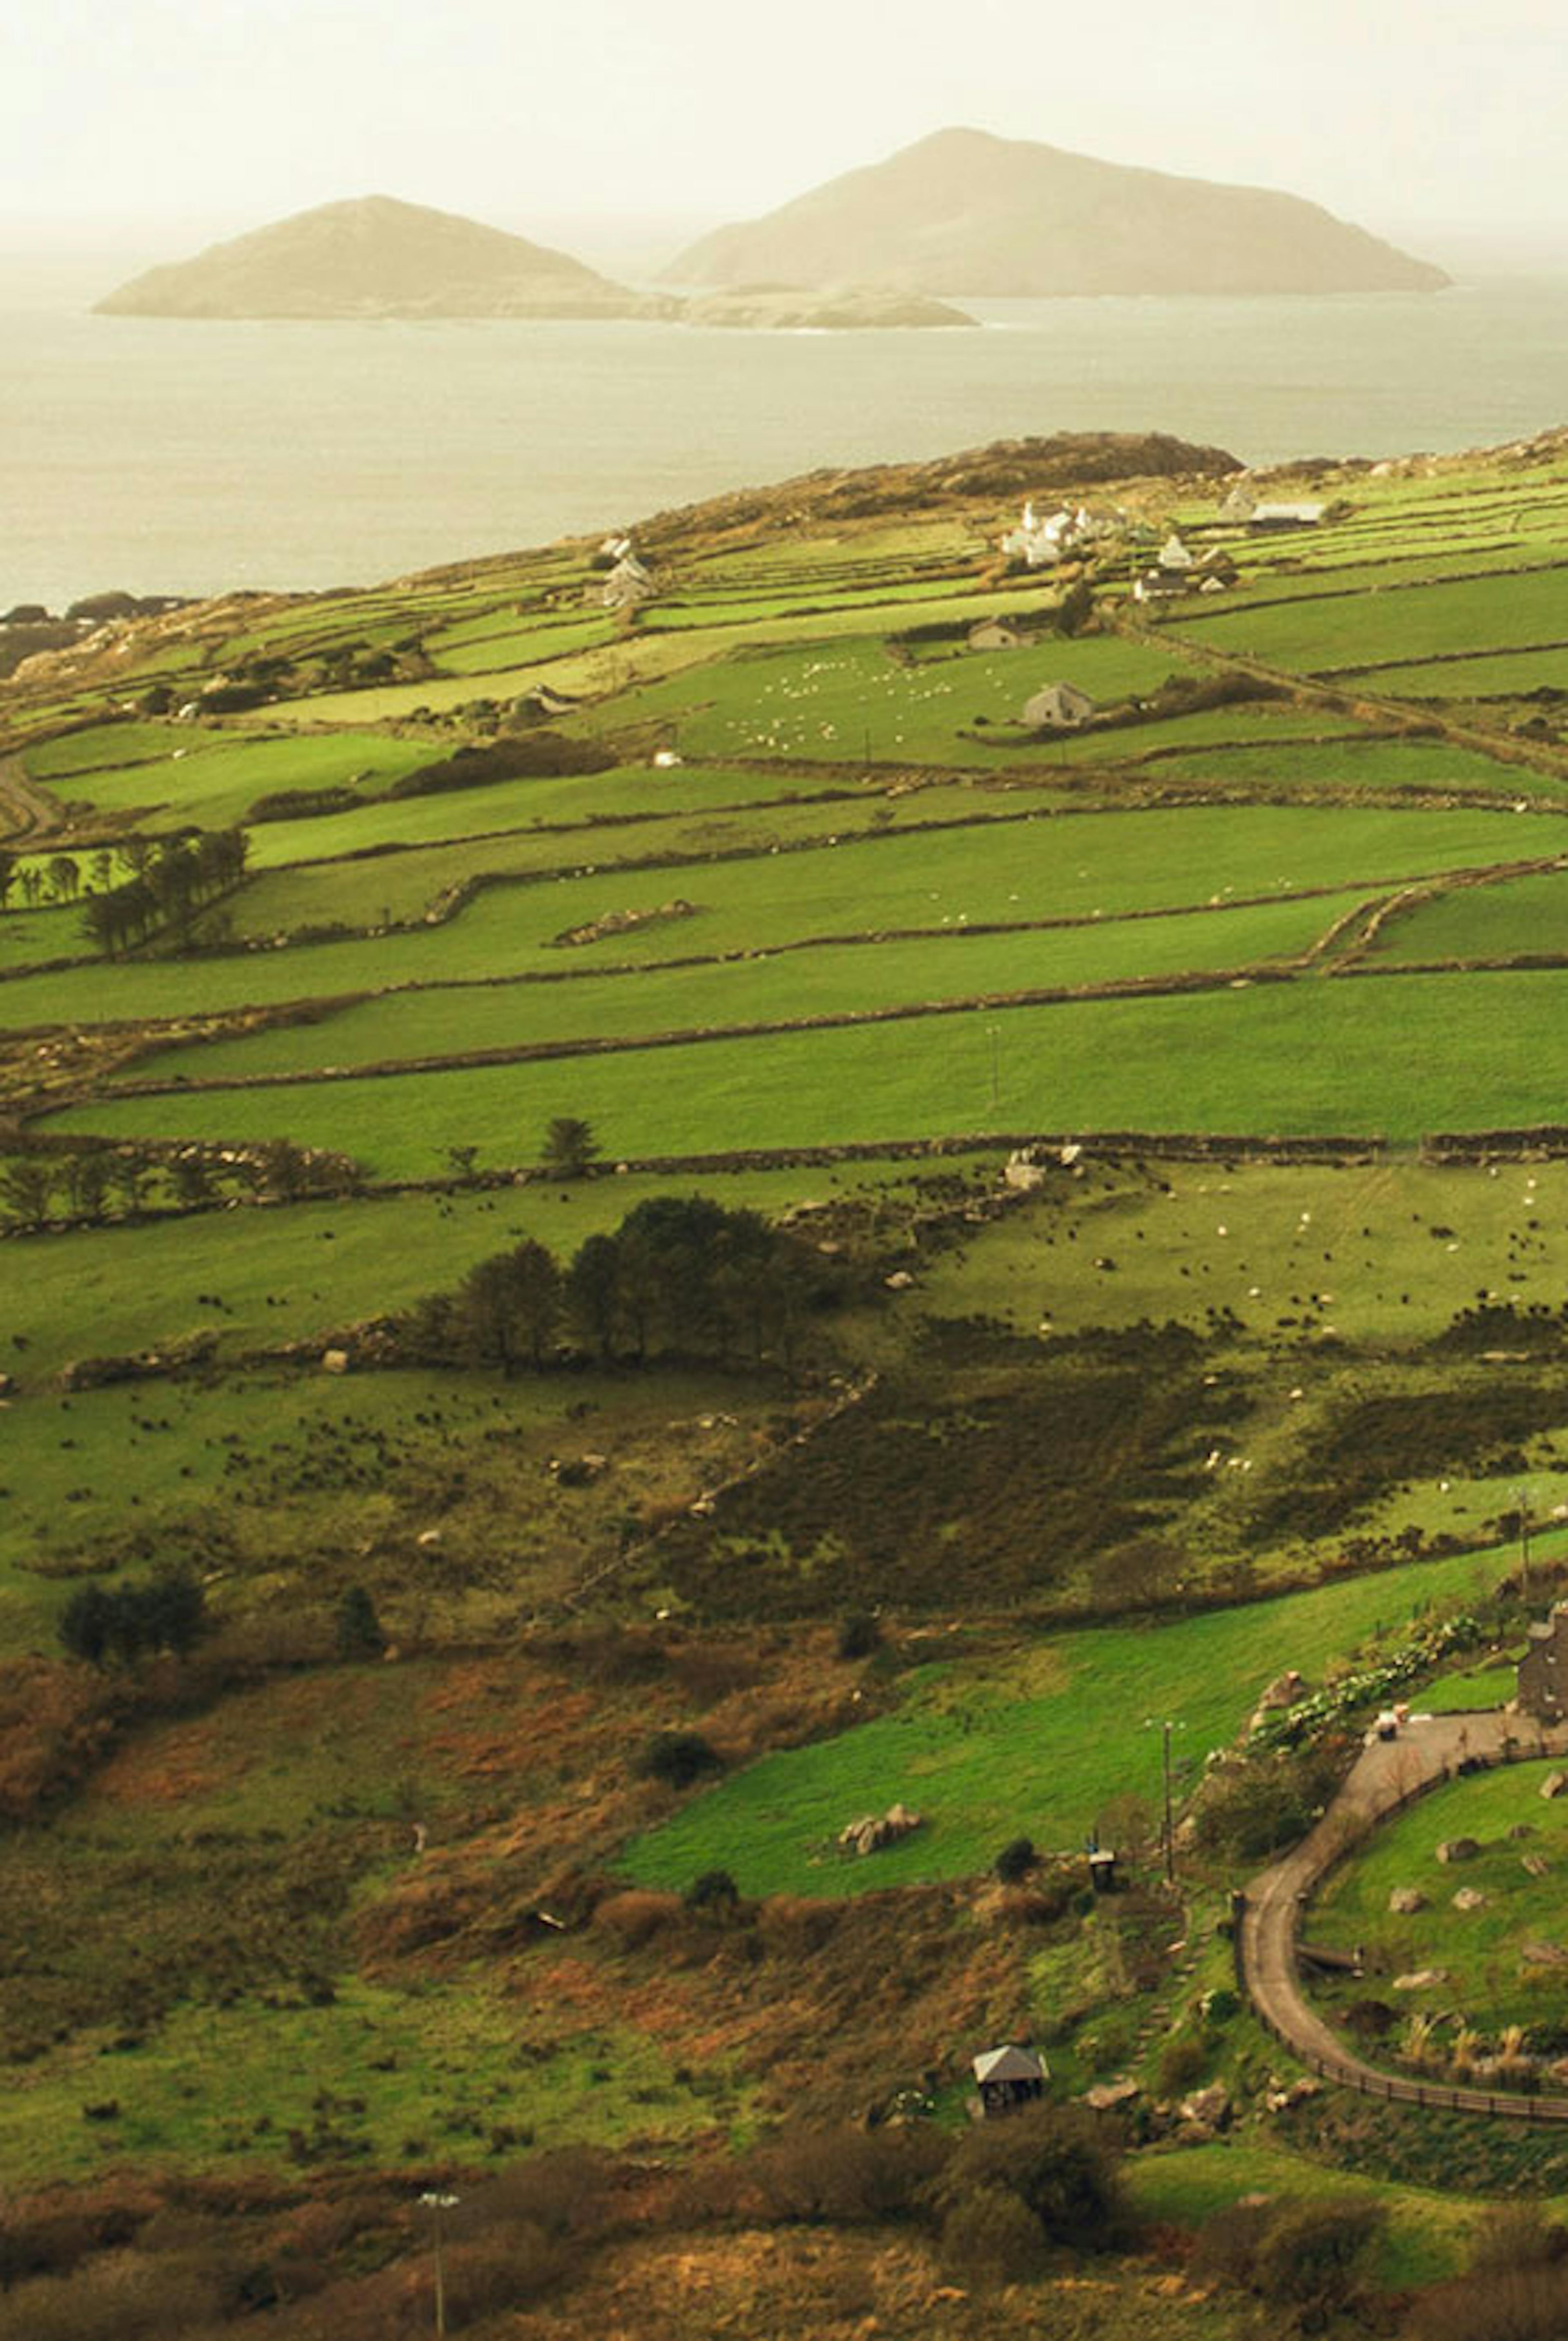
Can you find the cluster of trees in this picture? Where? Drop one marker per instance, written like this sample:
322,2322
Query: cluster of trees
680,1275
97,1182
126,1622
58,880
172,878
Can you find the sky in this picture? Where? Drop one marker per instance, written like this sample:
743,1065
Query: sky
622,127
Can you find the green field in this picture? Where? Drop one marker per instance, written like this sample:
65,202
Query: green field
990,1753
1410,1055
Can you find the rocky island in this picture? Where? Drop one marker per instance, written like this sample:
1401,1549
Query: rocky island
964,213
373,256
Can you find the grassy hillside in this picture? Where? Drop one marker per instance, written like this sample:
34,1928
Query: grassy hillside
943,1479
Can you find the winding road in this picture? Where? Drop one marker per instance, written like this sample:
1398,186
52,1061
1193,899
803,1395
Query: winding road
1386,1776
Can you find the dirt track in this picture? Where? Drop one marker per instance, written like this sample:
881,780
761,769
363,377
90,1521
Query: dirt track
1386,1776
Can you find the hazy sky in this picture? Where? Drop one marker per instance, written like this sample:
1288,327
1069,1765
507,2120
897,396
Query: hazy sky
204,117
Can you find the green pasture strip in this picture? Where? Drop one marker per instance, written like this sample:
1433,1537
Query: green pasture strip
214,779
1396,1058
1488,1977
1251,723
1399,1246
853,700
1069,866
831,981
106,746
1502,921
576,802
502,652
301,1271
434,2072
1427,2237
1362,765
1036,1743
382,890
32,938
721,608
1489,675
1417,622
640,657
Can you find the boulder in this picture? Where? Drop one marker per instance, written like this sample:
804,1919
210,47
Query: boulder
1458,1849
1553,1784
334,1361
1024,1174
1209,2109
1539,1954
1469,1897
1535,1865
869,1834
1422,1980
1406,1900
1108,2096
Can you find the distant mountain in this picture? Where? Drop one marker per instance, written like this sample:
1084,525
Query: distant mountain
376,258
963,213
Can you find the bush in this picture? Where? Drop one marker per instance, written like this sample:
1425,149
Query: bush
635,1917
715,1891
845,2174
1016,1861
677,1758
1525,2303
357,1627
1305,2254
1060,2163
991,2238
1180,2067
859,1635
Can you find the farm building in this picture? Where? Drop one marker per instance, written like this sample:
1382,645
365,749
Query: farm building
996,634
1543,1668
1161,586
1008,2077
1282,516
627,584
1059,707
1174,553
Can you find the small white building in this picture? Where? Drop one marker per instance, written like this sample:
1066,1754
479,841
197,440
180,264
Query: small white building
1281,516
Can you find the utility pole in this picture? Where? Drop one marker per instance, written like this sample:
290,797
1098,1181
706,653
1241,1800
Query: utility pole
438,2205
1166,1727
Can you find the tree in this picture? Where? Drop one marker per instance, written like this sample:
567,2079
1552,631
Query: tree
358,1629
510,1305
27,1186
593,1292
65,877
570,1146
1058,2160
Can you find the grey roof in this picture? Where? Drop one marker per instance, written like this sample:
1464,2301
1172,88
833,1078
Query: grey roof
1010,2065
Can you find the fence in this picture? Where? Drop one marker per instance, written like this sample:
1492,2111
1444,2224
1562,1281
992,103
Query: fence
1348,2072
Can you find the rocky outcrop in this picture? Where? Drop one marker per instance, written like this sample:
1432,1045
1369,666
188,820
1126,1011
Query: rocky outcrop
790,308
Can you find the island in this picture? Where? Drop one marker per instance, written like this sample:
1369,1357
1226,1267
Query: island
964,213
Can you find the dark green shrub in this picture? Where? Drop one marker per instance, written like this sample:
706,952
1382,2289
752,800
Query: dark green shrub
1058,2160
357,1627
1016,1861
1303,2256
715,1891
677,1758
859,1635
1180,2067
992,2238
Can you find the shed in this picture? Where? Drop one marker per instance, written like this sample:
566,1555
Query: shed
996,634
1278,517
1059,707
1008,2077
1174,553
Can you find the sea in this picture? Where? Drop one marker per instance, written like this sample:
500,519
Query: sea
159,455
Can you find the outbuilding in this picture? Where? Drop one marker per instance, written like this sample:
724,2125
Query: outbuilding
1059,707
1008,2077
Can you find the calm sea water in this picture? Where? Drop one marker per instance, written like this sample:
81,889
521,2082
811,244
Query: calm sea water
166,457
